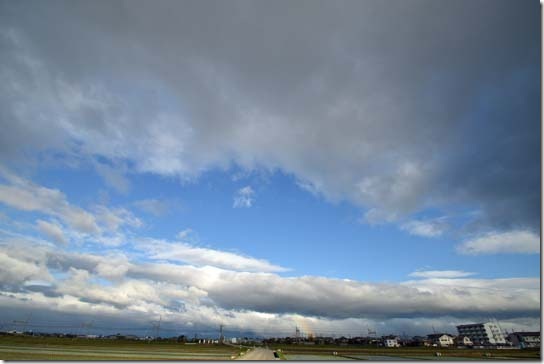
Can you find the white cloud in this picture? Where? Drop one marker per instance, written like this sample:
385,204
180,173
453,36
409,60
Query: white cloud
440,274
518,241
16,268
183,252
114,218
52,230
104,225
244,197
427,228
252,300
24,195
322,118
186,235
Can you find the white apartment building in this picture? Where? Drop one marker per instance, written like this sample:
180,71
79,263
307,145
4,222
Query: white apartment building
488,333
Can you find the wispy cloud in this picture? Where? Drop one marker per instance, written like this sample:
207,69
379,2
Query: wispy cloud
101,224
186,253
153,206
24,195
244,197
431,228
514,242
440,274
114,177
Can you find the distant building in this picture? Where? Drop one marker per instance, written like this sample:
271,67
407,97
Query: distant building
391,341
487,334
463,341
442,340
525,340
420,341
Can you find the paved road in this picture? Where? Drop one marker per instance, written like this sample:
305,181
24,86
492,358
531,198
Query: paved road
258,354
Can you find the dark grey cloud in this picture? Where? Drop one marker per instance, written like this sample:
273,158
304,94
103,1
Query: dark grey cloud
396,106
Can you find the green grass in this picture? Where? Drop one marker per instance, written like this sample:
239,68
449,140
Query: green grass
50,348
419,353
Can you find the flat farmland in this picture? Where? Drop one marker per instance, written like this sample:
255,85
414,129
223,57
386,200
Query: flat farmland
324,352
43,348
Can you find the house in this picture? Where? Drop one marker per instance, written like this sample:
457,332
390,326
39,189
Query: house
391,341
525,340
485,334
442,340
462,341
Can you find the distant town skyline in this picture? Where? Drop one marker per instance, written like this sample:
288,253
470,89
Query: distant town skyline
336,166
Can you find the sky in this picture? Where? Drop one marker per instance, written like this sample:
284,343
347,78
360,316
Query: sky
336,166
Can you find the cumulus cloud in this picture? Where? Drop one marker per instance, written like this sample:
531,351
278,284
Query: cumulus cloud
355,111
519,241
426,228
244,197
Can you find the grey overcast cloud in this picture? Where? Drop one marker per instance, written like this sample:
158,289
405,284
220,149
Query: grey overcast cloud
337,165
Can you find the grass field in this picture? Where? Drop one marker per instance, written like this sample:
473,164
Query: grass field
324,352
45,348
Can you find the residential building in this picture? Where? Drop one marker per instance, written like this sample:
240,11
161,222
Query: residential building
463,341
442,340
391,341
525,340
486,334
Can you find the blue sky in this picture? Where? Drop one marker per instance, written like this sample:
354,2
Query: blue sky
304,232
196,161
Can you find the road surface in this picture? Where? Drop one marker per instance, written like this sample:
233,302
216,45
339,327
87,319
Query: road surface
258,354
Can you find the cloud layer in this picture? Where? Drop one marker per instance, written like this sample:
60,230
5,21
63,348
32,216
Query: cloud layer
181,291
187,283
394,119
390,106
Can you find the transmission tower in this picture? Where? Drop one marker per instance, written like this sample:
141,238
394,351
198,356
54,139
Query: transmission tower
24,323
221,337
86,326
157,327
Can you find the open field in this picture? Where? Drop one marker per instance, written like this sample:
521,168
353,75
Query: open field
45,348
49,348
324,352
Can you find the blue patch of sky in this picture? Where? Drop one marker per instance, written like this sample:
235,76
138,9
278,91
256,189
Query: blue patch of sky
286,225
